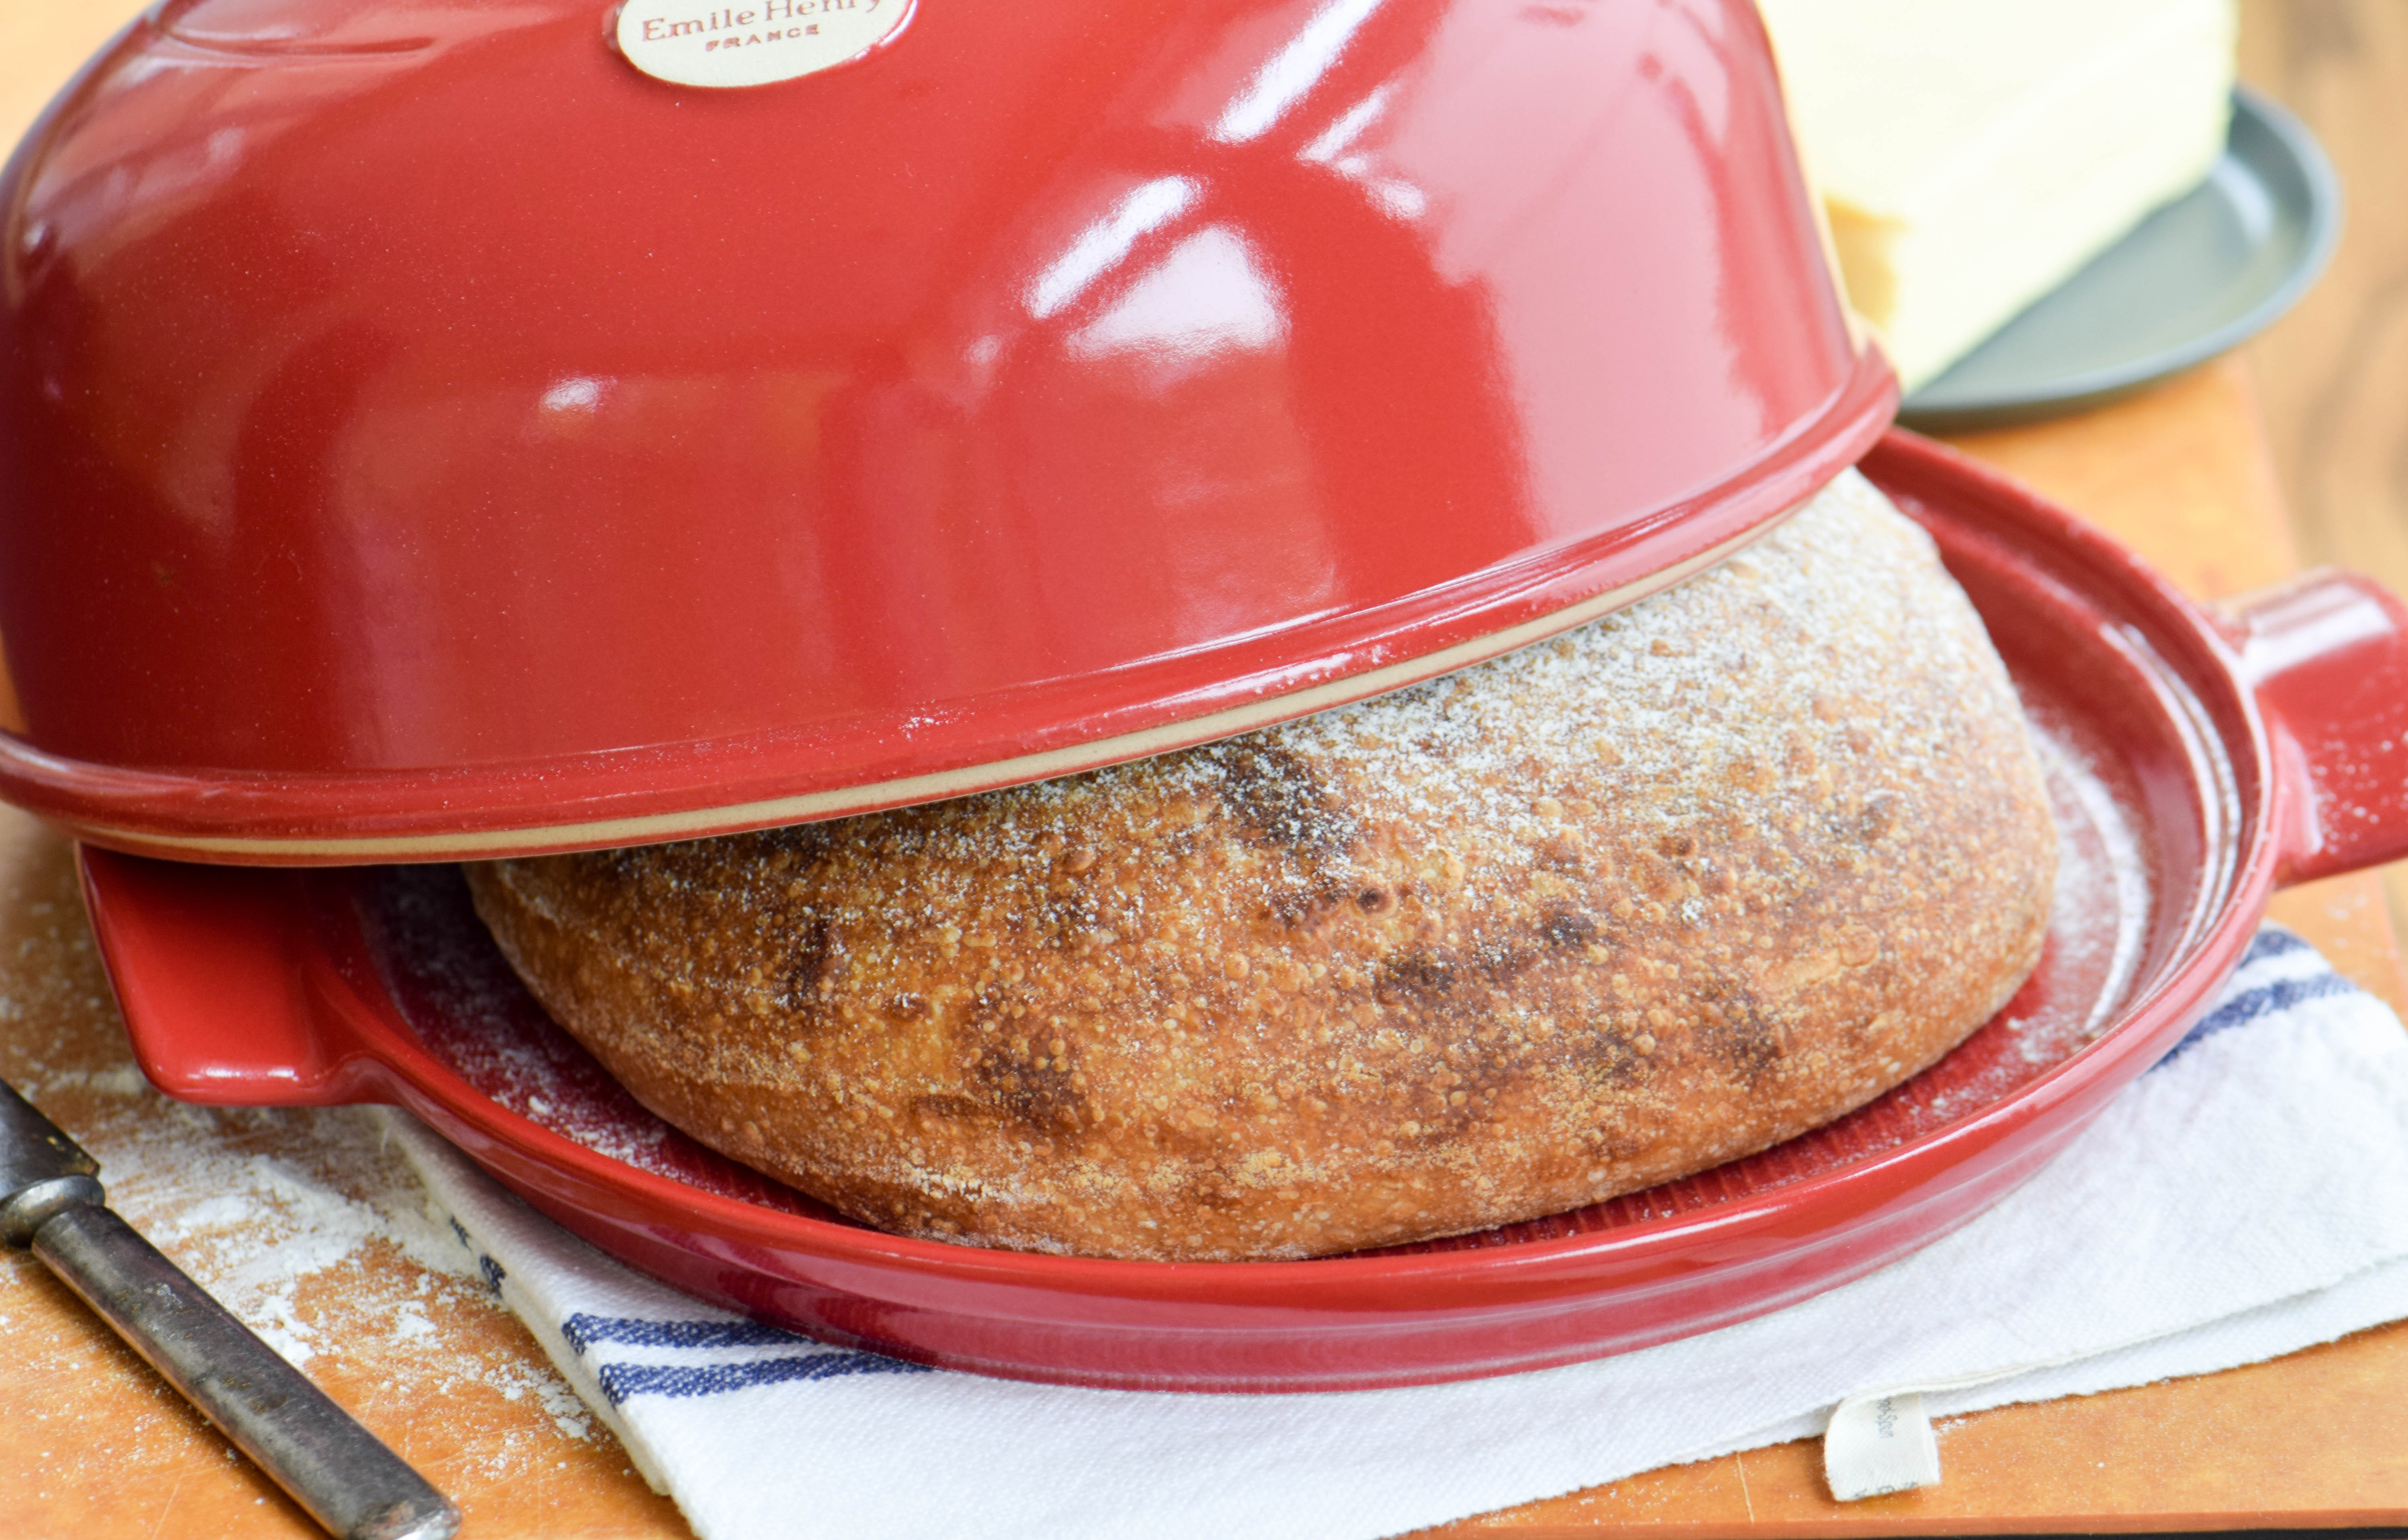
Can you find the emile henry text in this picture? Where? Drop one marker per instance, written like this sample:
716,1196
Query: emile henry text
770,13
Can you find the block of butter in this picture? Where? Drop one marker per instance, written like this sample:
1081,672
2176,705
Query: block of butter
1973,154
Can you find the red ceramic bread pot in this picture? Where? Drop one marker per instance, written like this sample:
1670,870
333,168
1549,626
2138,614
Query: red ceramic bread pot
431,430
2197,760
424,432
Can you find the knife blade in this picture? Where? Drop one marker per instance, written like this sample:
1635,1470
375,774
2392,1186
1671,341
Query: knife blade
51,1201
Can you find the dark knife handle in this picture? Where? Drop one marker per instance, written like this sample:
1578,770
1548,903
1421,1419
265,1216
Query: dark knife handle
340,1472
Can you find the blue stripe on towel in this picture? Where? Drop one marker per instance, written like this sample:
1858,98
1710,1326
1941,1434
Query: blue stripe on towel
2249,1004
2272,943
583,1331
620,1381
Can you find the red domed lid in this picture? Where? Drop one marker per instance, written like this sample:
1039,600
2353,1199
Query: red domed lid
427,428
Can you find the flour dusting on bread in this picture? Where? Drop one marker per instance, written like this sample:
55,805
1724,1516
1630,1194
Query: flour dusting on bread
1618,907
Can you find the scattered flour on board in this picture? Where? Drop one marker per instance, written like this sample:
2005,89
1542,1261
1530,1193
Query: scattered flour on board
310,1226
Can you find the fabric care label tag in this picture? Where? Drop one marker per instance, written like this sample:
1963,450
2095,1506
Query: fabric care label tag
1880,1443
726,43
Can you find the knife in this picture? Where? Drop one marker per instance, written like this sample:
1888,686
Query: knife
50,1200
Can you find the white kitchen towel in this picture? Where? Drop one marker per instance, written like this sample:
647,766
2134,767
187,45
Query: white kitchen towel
2247,1198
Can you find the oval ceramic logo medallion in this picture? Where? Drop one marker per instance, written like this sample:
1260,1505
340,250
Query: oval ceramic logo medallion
723,43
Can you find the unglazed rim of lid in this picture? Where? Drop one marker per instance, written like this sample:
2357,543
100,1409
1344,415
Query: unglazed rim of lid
420,439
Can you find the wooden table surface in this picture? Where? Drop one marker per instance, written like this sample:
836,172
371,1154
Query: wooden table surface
92,1447
2332,376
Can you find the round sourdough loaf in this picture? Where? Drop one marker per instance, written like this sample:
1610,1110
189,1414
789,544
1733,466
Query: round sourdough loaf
1622,905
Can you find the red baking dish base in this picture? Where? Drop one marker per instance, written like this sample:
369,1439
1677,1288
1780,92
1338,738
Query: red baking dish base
2192,759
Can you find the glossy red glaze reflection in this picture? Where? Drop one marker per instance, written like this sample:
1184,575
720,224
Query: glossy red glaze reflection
421,432
266,987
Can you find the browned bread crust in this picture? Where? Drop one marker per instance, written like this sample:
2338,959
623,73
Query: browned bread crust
1618,908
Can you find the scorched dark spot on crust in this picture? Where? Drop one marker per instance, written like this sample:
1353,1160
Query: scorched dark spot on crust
1026,1088
807,966
1568,928
1281,799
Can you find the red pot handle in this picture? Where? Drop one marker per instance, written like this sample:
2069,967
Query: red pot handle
210,968
2326,653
